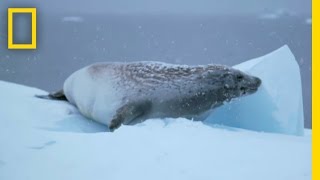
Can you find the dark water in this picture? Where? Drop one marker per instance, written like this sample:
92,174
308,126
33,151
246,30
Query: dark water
64,47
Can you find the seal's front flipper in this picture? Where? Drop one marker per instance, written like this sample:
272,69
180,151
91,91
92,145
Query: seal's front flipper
127,113
59,95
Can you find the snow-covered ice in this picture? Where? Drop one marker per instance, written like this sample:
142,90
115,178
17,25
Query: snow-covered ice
42,139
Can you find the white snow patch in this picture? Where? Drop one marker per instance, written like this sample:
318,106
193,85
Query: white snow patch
308,21
75,19
277,14
269,16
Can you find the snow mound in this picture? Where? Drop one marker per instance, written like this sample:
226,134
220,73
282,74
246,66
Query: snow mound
277,106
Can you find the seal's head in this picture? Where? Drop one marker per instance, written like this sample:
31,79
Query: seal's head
237,83
232,83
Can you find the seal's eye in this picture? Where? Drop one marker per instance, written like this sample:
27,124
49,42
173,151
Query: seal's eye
240,77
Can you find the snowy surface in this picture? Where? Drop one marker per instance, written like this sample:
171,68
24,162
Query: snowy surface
42,139
277,106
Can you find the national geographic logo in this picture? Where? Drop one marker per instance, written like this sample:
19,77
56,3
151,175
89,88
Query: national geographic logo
11,41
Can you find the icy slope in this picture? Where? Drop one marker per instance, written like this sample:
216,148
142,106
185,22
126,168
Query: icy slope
41,139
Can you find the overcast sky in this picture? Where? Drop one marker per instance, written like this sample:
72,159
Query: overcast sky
163,6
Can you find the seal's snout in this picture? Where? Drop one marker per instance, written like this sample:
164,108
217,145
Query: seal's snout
248,84
258,81
253,84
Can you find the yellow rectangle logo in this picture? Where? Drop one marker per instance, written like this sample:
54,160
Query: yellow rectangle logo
33,44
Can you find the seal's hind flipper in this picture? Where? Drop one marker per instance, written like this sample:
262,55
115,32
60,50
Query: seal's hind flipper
127,113
43,96
59,95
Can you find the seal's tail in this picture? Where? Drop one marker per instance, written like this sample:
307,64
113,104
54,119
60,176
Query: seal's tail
59,95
